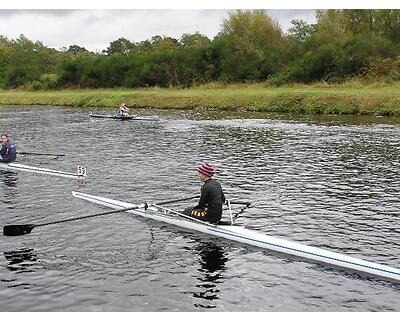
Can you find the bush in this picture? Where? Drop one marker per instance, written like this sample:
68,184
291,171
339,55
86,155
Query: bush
49,81
278,79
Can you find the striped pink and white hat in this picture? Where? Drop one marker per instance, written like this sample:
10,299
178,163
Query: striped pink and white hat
206,169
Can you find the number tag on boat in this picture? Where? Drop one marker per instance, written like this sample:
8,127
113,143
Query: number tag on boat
82,171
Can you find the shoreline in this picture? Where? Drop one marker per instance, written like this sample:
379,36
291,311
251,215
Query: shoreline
300,99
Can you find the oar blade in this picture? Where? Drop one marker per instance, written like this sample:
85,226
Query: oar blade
17,229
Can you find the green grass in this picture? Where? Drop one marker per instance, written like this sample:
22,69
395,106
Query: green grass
310,99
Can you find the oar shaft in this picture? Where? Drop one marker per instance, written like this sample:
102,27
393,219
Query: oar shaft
85,217
176,200
40,154
21,229
240,202
16,230
108,212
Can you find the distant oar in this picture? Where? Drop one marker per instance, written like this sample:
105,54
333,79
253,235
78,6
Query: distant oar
40,154
245,203
21,229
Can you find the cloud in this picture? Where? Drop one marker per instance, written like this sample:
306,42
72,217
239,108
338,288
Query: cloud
95,29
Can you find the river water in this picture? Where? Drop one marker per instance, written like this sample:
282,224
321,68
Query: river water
330,182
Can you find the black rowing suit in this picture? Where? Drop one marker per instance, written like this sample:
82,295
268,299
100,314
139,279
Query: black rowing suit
210,204
8,152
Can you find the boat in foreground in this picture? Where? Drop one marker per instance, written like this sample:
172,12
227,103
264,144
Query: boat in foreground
15,166
247,236
116,117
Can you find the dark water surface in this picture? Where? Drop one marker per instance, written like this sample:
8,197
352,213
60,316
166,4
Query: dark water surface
330,182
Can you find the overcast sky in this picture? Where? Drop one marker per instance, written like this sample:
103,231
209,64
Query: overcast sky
95,29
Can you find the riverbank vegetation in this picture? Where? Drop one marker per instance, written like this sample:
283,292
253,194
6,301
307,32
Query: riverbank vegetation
347,62
321,98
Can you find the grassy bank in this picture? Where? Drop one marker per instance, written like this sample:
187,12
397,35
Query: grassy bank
312,99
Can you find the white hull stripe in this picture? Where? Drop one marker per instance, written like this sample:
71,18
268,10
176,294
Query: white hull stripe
302,251
17,166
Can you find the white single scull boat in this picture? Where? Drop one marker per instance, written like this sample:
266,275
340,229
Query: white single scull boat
247,236
14,166
117,117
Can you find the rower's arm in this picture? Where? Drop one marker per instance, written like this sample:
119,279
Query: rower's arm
202,200
3,150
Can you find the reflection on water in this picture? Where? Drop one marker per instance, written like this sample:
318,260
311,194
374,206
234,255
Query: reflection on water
9,179
20,260
9,188
212,264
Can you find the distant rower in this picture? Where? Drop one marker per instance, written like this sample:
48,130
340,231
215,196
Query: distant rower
123,110
8,152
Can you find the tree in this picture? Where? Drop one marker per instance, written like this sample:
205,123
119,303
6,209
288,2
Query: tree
5,53
331,26
27,61
159,43
340,24
360,21
248,46
75,49
389,22
301,30
252,29
119,46
197,40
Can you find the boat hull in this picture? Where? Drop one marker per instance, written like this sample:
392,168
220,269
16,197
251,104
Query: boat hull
15,166
115,117
254,238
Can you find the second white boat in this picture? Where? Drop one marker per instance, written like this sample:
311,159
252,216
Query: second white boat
14,166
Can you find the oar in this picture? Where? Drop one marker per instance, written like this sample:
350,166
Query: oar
21,229
40,154
245,203
176,200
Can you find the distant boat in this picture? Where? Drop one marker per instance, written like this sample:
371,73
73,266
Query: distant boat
15,166
117,117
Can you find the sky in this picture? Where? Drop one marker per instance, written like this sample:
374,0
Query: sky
94,24
95,29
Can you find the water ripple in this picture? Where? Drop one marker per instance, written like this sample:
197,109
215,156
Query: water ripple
325,182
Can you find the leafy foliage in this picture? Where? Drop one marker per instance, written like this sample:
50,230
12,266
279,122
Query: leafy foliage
250,47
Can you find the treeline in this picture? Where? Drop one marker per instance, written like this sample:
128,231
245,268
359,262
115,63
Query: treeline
250,47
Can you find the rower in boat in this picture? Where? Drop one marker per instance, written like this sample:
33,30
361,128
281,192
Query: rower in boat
211,199
123,110
8,152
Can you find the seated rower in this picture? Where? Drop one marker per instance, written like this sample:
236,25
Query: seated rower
123,110
211,199
8,152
